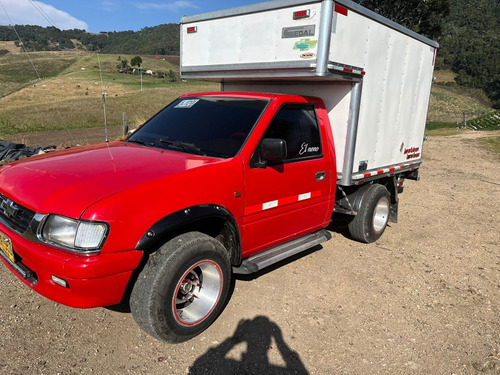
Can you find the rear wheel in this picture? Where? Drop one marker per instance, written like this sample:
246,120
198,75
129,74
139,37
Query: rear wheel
371,220
183,287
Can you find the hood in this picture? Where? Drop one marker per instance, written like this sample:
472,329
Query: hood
67,182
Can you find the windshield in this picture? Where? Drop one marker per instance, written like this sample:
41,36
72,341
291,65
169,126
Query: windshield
212,126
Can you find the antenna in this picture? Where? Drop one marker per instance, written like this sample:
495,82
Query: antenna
103,94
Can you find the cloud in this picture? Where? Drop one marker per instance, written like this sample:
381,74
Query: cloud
109,6
37,13
172,7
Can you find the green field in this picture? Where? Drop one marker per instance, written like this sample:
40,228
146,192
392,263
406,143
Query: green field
69,95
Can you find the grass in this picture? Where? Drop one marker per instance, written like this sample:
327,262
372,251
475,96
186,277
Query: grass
449,101
73,97
435,125
443,132
16,70
444,76
87,111
10,46
492,144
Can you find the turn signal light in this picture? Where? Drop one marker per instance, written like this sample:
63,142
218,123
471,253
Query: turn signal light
60,281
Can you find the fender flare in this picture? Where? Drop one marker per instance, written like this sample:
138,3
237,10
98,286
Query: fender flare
158,232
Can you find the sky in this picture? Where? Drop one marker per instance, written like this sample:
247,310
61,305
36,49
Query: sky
106,15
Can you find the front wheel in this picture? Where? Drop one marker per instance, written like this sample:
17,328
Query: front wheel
371,220
183,287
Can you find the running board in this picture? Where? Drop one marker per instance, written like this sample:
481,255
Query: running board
266,258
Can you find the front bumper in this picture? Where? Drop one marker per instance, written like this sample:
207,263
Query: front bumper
92,281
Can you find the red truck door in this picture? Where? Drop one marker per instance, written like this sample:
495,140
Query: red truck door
287,198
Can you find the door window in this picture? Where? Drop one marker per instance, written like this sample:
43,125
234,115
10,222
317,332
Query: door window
297,124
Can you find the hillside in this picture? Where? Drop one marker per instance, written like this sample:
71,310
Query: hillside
468,33
158,40
69,96
70,92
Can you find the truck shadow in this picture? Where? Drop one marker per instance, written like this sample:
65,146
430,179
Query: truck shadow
124,305
339,225
252,342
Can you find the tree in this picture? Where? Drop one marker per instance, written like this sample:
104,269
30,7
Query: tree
470,45
172,77
136,61
422,16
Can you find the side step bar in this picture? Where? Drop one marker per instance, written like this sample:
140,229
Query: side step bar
275,254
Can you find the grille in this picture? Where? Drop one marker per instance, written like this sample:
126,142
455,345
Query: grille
14,215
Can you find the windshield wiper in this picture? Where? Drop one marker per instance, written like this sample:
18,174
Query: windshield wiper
137,140
188,147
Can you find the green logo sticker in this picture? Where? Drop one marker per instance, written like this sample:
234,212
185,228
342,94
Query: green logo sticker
305,44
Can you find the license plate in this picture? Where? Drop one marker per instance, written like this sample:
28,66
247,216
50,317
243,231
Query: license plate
6,247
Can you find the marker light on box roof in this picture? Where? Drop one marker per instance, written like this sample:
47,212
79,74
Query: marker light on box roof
301,14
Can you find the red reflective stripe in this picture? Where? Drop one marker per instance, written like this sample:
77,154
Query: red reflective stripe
289,200
341,10
316,194
253,209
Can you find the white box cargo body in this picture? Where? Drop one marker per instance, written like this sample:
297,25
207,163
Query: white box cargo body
374,75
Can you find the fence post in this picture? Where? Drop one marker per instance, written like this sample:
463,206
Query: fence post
124,124
465,119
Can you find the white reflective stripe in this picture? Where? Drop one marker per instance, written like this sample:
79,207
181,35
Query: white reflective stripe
303,197
268,205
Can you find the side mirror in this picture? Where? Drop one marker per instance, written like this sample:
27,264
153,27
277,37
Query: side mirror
273,149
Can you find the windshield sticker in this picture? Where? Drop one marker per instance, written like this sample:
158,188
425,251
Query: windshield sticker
187,103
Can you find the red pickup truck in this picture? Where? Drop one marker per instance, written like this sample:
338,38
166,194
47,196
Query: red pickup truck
234,181
215,183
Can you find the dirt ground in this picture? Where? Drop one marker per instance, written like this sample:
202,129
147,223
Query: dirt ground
424,299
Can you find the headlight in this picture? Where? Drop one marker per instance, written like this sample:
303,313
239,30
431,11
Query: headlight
77,235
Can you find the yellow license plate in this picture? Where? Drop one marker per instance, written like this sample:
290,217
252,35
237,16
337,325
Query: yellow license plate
6,247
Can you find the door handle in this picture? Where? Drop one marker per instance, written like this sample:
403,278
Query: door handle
320,176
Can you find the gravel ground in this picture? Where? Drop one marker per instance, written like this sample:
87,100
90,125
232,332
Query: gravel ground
424,299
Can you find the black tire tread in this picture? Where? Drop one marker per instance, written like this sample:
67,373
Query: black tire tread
148,285
360,228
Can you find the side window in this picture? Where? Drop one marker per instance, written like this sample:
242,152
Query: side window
298,126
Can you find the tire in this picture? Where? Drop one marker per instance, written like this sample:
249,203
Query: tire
182,288
373,214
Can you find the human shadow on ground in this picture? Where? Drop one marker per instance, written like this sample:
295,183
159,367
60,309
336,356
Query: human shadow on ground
258,335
